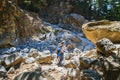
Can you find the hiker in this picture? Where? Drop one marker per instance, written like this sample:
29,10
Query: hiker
60,53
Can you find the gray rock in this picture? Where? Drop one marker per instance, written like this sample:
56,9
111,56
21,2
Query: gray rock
13,60
75,20
52,47
72,63
105,46
2,69
46,52
33,53
12,49
2,72
11,70
25,50
29,60
37,67
54,55
45,57
67,56
77,51
91,74
29,76
72,72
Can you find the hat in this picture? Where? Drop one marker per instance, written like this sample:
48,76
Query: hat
62,42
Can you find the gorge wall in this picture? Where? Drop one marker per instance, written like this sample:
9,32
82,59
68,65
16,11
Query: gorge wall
16,24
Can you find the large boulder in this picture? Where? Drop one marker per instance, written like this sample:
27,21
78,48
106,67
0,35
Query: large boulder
16,24
73,74
33,53
90,75
13,60
74,20
105,46
95,65
45,57
2,69
2,72
87,58
29,60
111,66
95,31
72,63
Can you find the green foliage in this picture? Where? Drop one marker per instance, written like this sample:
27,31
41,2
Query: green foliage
107,9
83,7
98,9
32,5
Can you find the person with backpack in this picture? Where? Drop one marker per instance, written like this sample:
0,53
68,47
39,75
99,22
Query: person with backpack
60,53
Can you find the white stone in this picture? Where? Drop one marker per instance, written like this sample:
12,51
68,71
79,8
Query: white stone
29,60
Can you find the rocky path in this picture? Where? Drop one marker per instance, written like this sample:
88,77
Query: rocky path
50,69
95,64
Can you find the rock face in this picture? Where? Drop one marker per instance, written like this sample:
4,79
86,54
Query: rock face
54,11
95,31
74,20
50,11
15,24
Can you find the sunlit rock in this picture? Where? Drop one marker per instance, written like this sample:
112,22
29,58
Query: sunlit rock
13,60
45,57
72,63
105,47
97,30
2,69
29,60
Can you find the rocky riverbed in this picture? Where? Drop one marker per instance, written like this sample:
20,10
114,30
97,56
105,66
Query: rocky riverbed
50,41
35,58
28,45
39,51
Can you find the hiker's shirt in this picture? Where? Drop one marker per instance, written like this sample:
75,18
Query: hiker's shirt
60,51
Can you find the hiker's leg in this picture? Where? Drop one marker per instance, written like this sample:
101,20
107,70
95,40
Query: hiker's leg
58,61
61,59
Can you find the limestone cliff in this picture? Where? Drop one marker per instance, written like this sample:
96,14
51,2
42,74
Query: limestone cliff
15,24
